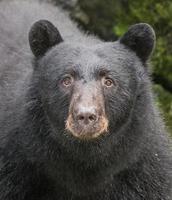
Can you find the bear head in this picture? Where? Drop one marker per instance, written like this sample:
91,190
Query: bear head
90,91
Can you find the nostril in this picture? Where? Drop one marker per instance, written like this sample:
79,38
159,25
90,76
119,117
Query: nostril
80,117
86,118
92,117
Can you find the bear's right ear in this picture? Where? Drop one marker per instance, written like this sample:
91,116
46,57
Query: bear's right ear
42,36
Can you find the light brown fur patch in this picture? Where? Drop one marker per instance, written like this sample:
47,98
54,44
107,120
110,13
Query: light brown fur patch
102,127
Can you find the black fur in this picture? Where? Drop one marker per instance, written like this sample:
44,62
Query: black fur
39,158
42,36
140,38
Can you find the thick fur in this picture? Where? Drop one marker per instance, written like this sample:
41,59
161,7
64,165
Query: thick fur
39,159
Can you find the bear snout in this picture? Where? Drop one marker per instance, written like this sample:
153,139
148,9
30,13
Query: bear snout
87,117
85,128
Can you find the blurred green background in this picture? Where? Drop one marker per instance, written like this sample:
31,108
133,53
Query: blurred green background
109,19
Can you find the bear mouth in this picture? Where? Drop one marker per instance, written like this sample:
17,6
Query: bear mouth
87,132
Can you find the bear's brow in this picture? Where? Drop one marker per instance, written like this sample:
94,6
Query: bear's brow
73,70
102,71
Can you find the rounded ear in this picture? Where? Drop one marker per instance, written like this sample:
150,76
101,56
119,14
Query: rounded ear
141,39
42,36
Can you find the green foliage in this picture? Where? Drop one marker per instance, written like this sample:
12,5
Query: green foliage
111,18
164,102
100,16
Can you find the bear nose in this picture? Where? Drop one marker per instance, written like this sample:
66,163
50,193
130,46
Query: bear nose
86,116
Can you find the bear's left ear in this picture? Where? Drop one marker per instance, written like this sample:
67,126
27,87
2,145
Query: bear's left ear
140,38
42,36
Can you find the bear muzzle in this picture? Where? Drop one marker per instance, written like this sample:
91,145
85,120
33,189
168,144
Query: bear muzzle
87,128
87,119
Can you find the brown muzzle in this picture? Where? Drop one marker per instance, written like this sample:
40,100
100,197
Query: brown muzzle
87,119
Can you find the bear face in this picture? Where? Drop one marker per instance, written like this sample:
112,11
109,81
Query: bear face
95,86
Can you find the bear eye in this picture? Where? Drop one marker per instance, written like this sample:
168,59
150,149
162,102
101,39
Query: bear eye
108,82
67,81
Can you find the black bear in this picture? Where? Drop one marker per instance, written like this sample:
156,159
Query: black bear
77,117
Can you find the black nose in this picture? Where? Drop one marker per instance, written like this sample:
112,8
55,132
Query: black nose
86,116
